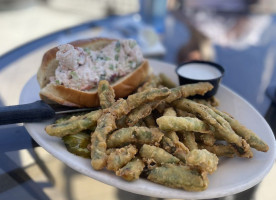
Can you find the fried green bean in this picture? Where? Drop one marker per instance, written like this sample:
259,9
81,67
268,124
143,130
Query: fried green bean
251,138
180,149
189,140
171,123
203,160
153,82
168,145
105,124
181,177
74,125
208,139
141,112
212,101
106,94
220,150
120,157
159,155
147,96
189,90
166,81
134,135
221,126
132,170
123,107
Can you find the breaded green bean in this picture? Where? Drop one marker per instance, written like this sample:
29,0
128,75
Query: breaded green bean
132,170
141,112
203,160
180,149
134,135
120,157
208,139
106,94
220,150
105,124
123,107
181,177
251,138
74,124
189,90
160,156
168,145
221,126
118,109
153,82
147,96
189,140
170,123
183,113
166,81
212,101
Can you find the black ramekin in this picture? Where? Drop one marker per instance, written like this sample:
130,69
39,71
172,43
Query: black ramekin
215,82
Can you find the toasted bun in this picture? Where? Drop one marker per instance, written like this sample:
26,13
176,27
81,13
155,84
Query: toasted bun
53,93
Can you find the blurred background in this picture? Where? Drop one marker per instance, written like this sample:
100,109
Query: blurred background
239,34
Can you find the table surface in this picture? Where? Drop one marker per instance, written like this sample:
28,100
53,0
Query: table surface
249,65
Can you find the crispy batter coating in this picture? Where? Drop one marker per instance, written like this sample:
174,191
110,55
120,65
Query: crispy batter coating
158,155
171,123
141,112
220,150
251,138
106,124
203,160
132,170
123,107
178,176
189,140
153,82
221,126
134,135
120,157
74,124
180,149
166,81
106,94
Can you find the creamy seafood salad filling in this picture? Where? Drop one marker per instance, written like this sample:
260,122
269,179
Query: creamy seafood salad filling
82,68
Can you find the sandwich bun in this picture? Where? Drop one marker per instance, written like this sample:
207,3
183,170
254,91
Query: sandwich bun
57,93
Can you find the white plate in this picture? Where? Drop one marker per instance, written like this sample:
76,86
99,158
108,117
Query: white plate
233,175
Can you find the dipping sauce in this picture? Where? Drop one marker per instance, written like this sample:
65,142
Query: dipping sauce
199,71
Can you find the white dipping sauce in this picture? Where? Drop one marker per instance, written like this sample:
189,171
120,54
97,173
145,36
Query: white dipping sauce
199,71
